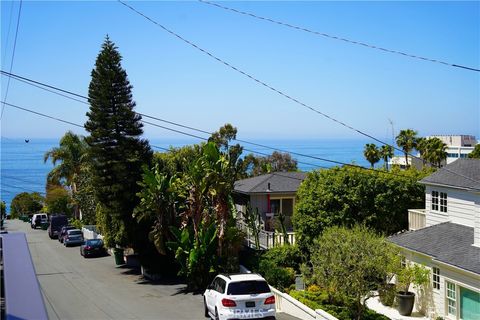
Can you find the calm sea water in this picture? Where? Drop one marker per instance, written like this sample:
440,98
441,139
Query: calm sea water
23,168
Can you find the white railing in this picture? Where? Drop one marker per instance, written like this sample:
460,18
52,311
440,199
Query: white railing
416,219
267,239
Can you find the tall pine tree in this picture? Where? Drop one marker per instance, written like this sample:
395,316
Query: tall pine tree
117,150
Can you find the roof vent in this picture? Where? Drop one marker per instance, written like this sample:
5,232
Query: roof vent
268,187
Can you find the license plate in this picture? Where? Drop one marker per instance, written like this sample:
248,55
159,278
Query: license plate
250,304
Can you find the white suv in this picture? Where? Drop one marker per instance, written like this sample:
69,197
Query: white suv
239,296
38,219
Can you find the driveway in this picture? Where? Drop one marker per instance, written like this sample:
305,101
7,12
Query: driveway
78,288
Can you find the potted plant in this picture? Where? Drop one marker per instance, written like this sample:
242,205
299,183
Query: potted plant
411,274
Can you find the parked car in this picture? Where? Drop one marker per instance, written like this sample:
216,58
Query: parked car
38,219
92,247
63,232
239,296
55,225
73,236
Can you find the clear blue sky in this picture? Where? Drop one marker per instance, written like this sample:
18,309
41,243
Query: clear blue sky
59,41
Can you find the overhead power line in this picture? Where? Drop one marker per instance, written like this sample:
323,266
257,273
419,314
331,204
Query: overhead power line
20,188
13,56
27,80
334,37
295,100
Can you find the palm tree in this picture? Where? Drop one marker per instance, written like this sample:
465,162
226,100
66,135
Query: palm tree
71,154
436,151
407,140
371,153
422,147
386,152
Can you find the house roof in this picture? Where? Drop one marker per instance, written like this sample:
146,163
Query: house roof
446,242
280,182
462,173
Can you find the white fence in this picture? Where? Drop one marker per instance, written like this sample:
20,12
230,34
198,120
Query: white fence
416,219
91,232
267,239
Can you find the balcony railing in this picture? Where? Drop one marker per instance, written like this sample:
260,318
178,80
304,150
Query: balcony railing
267,239
416,219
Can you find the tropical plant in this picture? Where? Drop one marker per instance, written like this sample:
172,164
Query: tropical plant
412,273
436,151
196,254
276,162
351,262
72,155
117,151
475,154
386,152
254,223
407,140
372,154
84,198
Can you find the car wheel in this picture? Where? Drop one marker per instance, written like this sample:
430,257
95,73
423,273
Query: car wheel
216,314
207,315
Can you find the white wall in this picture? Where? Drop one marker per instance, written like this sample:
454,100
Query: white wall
437,298
462,207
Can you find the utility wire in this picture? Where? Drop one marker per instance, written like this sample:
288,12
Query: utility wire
8,32
21,180
209,133
13,57
260,81
326,35
274,89
20,188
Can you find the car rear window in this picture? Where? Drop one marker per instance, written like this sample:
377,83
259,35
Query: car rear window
75,232
248,287
94,242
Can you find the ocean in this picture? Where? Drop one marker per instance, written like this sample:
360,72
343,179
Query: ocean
23,168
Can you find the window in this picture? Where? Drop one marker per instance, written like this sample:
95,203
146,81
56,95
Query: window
436,278
451,299
439,201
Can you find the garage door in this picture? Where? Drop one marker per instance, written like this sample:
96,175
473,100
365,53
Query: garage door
469,304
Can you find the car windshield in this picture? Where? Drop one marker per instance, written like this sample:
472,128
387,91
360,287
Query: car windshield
95,242
75,232
248,287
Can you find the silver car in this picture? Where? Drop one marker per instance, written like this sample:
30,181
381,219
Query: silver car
73,237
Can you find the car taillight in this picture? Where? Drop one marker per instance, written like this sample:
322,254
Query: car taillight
228,303
270,300
88,247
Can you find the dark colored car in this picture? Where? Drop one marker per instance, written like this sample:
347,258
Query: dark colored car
55,225
73,237
63,232
92,247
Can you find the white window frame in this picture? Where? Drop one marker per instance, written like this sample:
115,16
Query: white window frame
439,201
436,278
451,296
281,201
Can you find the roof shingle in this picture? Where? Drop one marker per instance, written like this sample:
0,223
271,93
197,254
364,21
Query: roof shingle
279,182
462,173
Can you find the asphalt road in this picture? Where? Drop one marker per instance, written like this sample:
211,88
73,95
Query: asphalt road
77,288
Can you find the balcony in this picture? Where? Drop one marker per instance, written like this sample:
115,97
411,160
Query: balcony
266,239
416,219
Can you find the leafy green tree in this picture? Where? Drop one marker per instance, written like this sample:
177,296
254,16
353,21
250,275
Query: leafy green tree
346,196
351,263
84,198
72,155
386,152
407,140
475,154
372,154
276,162
26,203
58,200
116,149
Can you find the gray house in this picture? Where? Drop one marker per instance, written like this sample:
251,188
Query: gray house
445,237
270,194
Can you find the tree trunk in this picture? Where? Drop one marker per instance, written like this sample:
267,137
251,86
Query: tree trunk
406,160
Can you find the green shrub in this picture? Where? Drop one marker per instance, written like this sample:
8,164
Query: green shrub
277,276
284,256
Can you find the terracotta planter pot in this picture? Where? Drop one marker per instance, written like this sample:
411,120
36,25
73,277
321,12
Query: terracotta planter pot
405,302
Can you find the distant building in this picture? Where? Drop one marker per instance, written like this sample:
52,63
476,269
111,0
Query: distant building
458,147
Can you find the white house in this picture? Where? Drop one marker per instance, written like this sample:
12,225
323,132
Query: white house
445,237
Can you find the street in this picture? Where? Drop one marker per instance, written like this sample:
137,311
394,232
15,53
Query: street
77,288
